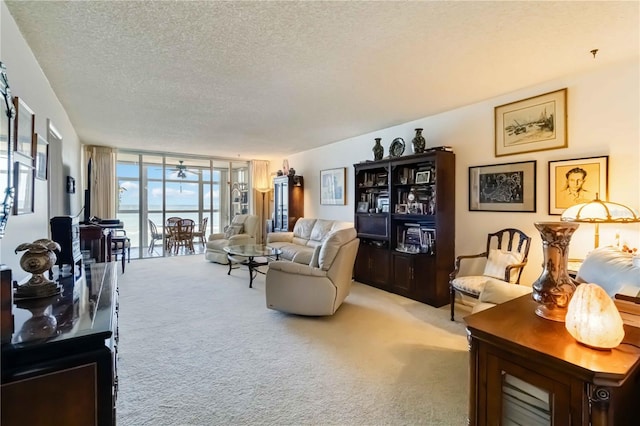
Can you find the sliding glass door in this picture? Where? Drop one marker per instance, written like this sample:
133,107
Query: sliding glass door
154,187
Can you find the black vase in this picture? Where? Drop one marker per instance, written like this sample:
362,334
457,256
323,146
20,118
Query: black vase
419,142
378,150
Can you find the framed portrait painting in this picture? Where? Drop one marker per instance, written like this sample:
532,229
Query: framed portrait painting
577,181
507,187
534,124
332,186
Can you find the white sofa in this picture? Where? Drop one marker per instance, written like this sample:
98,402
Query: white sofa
320,286
242,230
299,245
610,268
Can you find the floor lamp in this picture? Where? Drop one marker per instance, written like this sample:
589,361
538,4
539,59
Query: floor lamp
597,212
264,192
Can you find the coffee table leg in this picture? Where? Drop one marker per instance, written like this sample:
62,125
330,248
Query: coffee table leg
229,260
251,266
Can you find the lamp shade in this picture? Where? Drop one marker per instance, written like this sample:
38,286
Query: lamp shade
598,211
593,319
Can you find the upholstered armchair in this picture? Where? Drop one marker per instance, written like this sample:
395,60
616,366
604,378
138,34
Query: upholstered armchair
320,287
504,259
242,230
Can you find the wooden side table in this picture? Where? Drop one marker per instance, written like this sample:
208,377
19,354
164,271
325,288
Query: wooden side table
516,356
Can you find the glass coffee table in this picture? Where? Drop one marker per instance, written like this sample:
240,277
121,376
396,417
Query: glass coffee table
246,255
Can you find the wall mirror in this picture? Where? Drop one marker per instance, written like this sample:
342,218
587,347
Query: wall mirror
6,160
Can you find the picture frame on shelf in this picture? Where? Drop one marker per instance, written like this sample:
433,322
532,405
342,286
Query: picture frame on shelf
383,204
423,177
23,179
509,187
537,123
577,181
24,124
41,160
401,208
363,206
332,186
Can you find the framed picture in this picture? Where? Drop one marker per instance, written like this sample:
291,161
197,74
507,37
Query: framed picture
71,185
41,161
401,208
23,181
383,204
577,181
534,124
423,177
507,187
363,206
24,122
332,186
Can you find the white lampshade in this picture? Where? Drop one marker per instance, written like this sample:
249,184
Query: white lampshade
597,212
593,319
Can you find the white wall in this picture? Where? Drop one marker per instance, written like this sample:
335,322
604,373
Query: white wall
27,81
603,119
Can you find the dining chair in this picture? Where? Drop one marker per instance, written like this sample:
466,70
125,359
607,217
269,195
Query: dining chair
183,235
120,245
170,231
154,234
202,230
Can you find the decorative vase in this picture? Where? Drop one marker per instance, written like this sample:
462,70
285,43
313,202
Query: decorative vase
418,142
292,171
554,288
38,259
378,150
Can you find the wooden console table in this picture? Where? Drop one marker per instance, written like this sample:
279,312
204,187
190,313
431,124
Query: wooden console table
63,371
526,367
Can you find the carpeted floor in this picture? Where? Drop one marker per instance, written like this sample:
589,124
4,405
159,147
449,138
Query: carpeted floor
198,347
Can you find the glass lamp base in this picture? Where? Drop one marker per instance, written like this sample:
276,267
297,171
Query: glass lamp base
551,314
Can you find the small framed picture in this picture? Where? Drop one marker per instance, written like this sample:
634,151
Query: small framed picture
401,208
423,177
23,182
577,181
71,185
24,123
383,204
41,161
363,206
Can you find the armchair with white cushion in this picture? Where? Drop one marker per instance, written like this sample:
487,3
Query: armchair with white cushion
317,288
504,259
242,230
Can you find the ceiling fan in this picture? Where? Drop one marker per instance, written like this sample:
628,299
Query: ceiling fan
181,170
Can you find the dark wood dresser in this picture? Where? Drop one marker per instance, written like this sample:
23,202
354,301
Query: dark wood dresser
59,367
531,371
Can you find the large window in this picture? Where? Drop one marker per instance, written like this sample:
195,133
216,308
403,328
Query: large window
153,187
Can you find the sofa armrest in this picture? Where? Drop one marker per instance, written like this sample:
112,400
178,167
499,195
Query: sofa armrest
285,237
296,268
218,236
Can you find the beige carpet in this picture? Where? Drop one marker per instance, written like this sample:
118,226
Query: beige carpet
198,347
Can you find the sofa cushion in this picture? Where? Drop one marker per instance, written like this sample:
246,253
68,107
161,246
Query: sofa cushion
321,229
232,230
314,258
498,261
497,291
302,230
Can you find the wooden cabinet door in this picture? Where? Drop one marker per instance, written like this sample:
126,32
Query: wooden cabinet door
402,282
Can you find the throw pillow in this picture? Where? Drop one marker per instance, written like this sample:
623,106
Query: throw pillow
232,230
498,261
500,292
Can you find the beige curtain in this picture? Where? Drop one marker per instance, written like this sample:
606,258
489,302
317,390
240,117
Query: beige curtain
104,190
262,187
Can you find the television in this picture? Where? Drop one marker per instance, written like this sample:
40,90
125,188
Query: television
87,195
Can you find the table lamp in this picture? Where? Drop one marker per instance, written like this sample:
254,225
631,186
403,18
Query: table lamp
597,212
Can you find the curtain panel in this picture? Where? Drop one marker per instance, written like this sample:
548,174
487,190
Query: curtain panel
104,188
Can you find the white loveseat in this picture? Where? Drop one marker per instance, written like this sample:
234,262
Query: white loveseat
319,286
299,246
242,230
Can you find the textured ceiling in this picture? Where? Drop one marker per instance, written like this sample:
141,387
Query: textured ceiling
267,79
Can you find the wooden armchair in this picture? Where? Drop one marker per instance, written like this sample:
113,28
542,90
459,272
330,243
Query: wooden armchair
505,258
